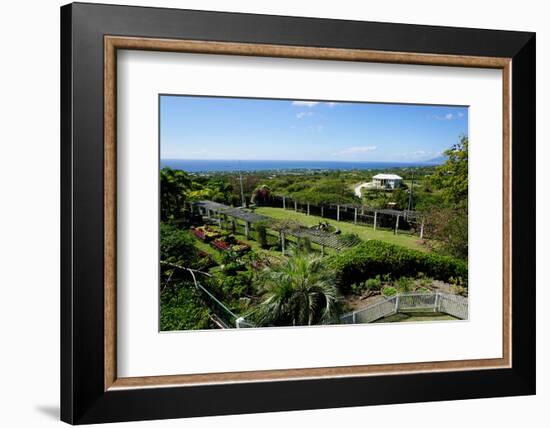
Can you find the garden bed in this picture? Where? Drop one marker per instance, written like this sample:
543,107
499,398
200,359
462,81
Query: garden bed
205,233
229,243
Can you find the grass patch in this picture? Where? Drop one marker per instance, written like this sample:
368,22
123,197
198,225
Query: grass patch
364,232
416,317
203,246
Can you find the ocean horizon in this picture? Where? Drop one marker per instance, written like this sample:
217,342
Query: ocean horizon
228,165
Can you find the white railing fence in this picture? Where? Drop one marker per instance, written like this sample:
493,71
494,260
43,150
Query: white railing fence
456,306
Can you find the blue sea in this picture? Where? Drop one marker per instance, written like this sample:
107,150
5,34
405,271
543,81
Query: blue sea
199,165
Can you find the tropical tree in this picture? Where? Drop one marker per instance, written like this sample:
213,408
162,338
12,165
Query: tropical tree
174,187
449,227
261,194
448,222
299,291
452,176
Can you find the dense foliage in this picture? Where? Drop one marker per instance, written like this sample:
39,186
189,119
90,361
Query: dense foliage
452,176
182,308
448,222
448,225
373,258
176,246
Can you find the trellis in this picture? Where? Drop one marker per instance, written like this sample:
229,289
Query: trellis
319,237
221,210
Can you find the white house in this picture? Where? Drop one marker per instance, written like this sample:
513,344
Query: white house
388,181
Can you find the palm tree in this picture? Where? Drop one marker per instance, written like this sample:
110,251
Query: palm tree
261,194
299,291
174,186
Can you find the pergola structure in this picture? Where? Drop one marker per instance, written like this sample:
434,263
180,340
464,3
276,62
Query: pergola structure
320,237
221,210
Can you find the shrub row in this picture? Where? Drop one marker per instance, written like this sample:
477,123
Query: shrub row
373,258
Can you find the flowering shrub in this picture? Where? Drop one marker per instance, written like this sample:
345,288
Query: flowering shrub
230,244
204,233
220,244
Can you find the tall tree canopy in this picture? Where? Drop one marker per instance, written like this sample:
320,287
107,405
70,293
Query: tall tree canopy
452,176
449,223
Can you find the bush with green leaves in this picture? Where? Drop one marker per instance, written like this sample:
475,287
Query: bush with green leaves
350,239
261,235
235,286
373,258
404,284
373,284
389,291
176,246
181,308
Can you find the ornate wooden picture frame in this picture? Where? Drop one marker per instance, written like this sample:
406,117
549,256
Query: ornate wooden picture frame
91,390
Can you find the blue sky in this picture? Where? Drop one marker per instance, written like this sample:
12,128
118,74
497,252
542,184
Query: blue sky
248,129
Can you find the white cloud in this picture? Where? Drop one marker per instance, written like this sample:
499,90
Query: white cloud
356,150
332,104
417,156
448,116
305,103
303,114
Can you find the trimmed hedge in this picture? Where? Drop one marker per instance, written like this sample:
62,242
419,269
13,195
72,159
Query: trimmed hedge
373,258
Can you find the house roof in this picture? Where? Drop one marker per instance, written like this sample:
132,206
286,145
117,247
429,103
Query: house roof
387,177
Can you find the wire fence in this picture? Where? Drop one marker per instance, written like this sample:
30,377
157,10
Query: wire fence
456,306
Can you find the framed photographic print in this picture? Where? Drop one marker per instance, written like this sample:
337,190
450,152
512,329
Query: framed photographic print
266,213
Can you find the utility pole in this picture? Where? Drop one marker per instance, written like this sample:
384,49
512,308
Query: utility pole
243,202
411,192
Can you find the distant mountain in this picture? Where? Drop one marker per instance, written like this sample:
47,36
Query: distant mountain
437,161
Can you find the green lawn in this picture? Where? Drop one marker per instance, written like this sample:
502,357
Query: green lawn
364,232
416,316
